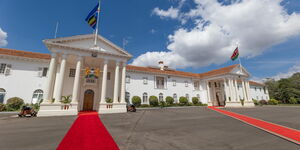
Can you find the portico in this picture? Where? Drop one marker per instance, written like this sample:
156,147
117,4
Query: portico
84,72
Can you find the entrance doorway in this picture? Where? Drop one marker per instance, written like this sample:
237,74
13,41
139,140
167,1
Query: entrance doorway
88,100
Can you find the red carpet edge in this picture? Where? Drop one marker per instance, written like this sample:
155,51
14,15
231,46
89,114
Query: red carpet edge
286,133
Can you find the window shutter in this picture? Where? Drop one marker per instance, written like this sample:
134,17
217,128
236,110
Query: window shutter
40,72
7,69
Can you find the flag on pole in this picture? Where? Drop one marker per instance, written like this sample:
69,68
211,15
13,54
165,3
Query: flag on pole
91,19
235,54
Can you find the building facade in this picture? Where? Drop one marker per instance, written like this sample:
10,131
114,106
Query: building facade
96,77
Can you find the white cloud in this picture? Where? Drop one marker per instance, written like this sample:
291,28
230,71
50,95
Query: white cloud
3,36
171,12
290,72
254,24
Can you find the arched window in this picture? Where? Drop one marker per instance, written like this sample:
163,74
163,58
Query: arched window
198,96
175,97
161,97
127,97
37,96
2,95
145,97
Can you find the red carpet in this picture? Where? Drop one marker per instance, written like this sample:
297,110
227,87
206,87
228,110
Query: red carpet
281,131
88,133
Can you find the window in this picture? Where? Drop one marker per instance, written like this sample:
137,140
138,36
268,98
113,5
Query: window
2,95
255,88
160,82
175,97
145,80
216,84
42,72
174,82
127,79
257,98
127,97
5,69
2,68
145,97
37,96
186,83
108,75
260,89
265,90
198,96
196,85
72,72
187,97
161,97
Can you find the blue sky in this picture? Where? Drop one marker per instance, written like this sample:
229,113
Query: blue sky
28,22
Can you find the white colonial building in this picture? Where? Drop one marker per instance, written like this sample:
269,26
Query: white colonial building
92,74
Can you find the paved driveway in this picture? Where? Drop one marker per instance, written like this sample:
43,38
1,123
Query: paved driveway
182,128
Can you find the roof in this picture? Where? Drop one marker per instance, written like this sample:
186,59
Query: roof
219,71
157,70
12,52
256,83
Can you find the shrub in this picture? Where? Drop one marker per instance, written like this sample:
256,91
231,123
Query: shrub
136,101
14,103
153,100
162,104
273,102
145,105
255,101
66,99
108,100
183,100
169,100
2,107
293,100
263,102
242,102
195,100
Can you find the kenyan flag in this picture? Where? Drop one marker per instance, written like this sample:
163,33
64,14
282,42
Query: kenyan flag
235,54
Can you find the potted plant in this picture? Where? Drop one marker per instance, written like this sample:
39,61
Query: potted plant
66,100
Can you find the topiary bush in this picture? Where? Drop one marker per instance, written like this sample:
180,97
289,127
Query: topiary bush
195,100
14,103
293,100
108,100
162,104
2,107
136,101
263,102
255,102
169,100
273,102
183,100
153,100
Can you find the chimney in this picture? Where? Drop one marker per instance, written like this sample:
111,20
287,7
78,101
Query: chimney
161,65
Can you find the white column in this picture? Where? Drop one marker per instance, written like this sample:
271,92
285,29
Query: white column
232,90
51,77
123,83
116,85
237,98
248,91
104,80
244,90
208,92
61,78
76,81
226,90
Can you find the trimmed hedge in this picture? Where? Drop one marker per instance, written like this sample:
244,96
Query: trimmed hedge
169,100
2,107
153,100
262,102
136,101
14,103
195,100
273,102
183,100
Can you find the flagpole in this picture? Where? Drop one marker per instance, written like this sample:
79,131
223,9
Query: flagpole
239,58
97,24
56,29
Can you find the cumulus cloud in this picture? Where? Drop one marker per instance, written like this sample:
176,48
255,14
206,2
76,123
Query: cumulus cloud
255,25
170,13
290,72
3,36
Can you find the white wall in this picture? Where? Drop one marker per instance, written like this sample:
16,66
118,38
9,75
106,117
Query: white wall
136,87
259,93
23,79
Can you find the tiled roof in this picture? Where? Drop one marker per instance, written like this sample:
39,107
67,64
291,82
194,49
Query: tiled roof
219,71
157,70
256,83
11,52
